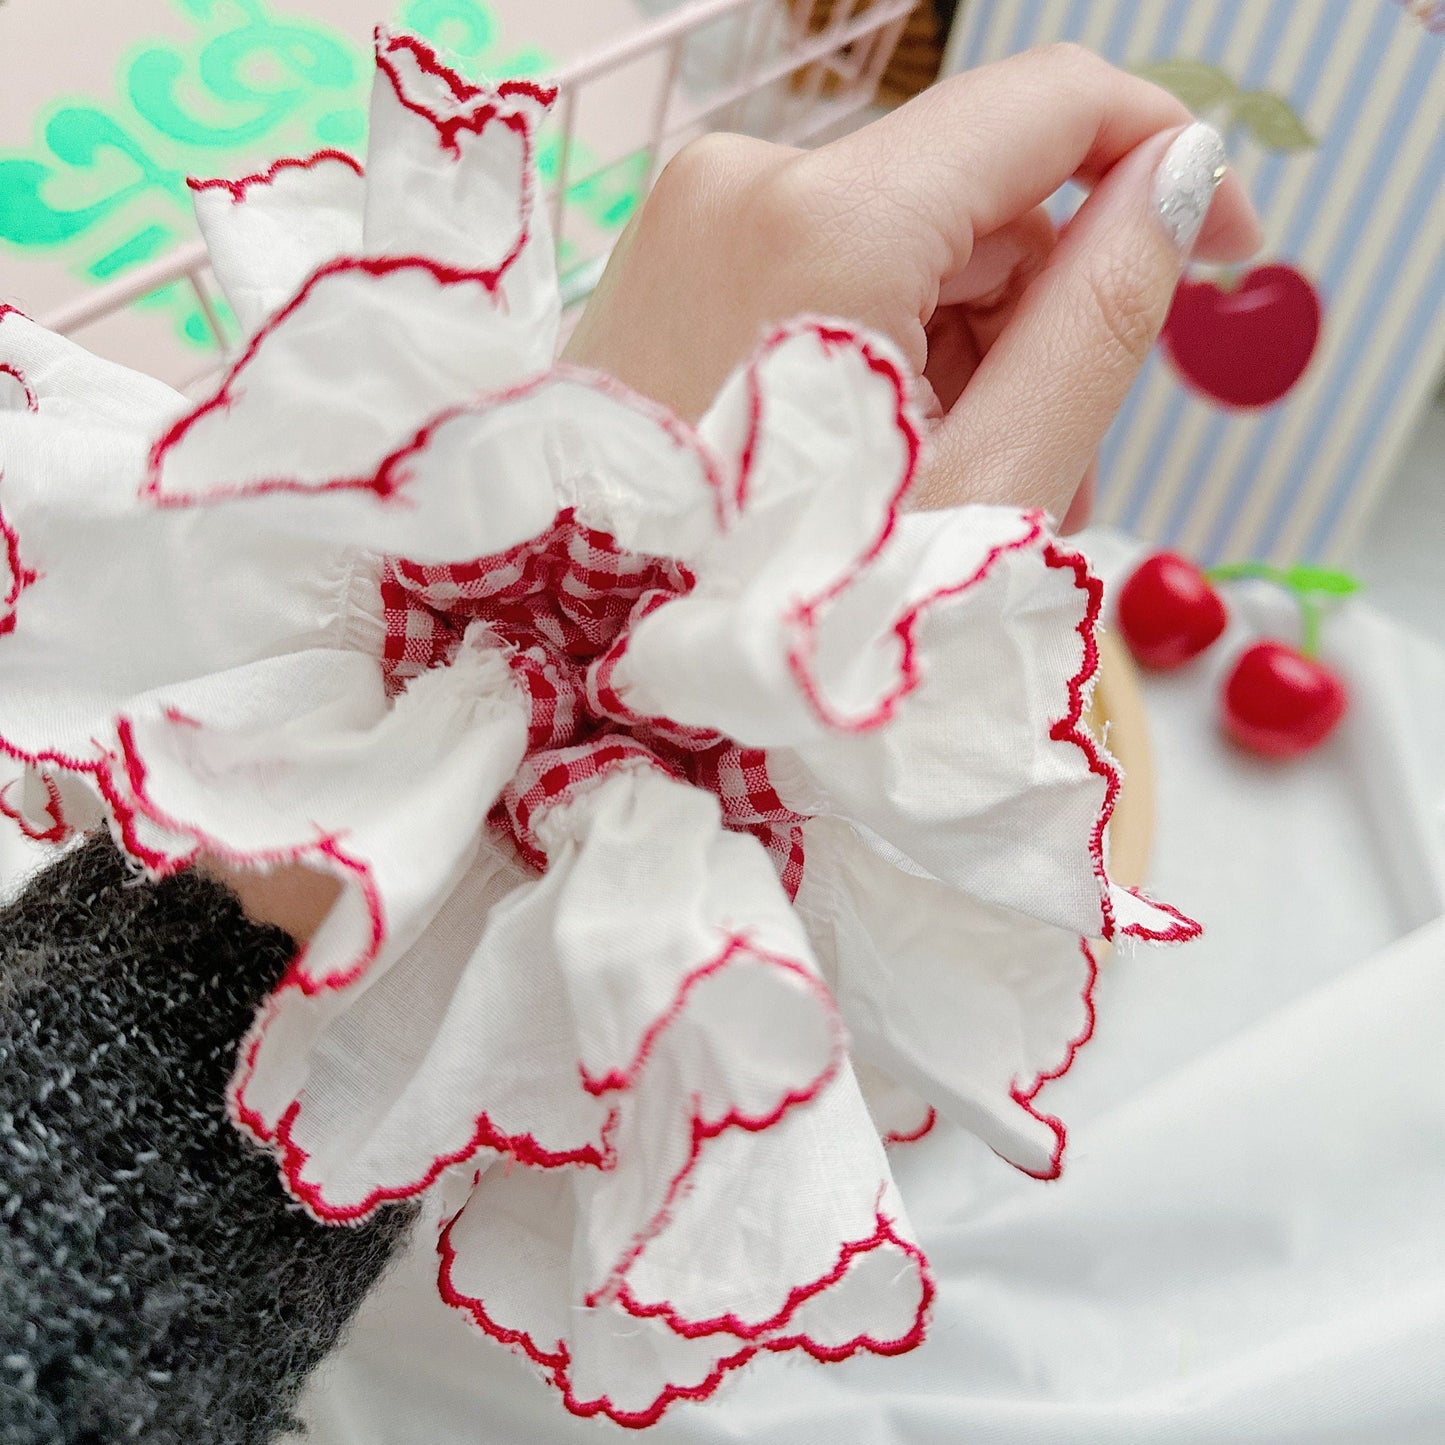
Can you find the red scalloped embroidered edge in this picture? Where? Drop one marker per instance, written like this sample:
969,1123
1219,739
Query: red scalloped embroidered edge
32,402
391,476
909,672
522,1147
702,1129
551,1362
324,850
486,105
1024,1098
428,61
835,336
462,89
449,128
21,576
538,91
804,616
1069,728
555,1364
292,1158
729,1323
912,1136
241,1114
1181,930
748,455
832,336
242,184
123,815
737,943
805,619
59,829
372,266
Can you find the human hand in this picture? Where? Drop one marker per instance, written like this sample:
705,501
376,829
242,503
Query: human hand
928,226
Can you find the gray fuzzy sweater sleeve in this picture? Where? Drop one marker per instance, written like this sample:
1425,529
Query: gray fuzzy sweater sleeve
156,1283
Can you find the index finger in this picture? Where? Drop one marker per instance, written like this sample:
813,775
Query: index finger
980,149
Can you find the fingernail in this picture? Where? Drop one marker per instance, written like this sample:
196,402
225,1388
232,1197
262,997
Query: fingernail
1185,182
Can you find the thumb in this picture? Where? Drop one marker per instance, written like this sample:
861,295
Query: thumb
1031,418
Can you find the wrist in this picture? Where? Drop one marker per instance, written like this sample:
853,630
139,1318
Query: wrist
291,897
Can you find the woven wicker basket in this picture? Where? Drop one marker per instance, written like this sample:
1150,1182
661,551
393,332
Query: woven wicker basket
916,58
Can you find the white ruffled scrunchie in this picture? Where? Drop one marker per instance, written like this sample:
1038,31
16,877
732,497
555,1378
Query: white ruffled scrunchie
704,820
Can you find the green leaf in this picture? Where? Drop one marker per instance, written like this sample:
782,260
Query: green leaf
1198,85
1269,119
1321,579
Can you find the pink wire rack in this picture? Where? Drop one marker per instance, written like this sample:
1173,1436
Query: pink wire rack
776,73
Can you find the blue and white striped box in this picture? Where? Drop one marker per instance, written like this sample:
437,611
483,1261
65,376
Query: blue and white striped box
1338,111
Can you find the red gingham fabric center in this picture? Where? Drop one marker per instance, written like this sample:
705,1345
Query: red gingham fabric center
563,603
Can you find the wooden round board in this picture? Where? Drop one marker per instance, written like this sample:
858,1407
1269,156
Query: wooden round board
1116,715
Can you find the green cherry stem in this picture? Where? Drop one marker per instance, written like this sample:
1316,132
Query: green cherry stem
1304,583
1309,644
1235,570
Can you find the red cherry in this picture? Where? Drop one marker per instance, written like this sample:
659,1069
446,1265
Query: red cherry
1168,612
1280,703
1246,346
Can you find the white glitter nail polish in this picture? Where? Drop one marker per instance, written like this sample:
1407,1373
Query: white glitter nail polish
1185,182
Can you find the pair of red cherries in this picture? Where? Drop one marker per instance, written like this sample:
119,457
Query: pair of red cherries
1279,701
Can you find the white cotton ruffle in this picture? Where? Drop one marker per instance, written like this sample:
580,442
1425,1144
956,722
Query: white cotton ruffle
702,819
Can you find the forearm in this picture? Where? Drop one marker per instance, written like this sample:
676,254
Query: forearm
155,1280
